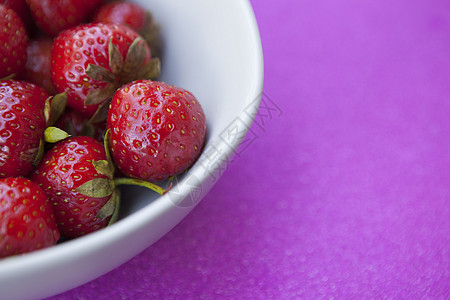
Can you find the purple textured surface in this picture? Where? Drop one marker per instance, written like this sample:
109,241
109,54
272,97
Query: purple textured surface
344,191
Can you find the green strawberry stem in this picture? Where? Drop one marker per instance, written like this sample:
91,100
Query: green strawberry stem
40,154
106,144
140,182
115,215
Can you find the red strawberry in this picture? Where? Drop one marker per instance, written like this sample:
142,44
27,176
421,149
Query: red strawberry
13,43
27,222
22,124
75,124
122,12
77,178
37,67
53,16
91,61
156,130
134,16
22,10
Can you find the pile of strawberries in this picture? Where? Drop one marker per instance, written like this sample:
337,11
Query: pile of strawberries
81,112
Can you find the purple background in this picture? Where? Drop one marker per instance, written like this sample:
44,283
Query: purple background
344,191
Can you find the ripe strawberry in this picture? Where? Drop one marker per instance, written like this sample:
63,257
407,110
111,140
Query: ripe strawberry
121,12
22,124
22,10
37,67
13,43
134,16
53,16
156,130
91,61
27,222
75,124
77,178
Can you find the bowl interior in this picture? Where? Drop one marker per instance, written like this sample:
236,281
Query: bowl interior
211,48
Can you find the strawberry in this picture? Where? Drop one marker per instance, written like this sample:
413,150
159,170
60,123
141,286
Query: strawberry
136,17
75,124
37,67
156,130
122,12
13,43
54,16
91,61
77,175
79,186
22,10
22,124
27,222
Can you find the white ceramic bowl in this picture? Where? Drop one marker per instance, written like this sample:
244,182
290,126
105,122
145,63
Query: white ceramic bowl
213,49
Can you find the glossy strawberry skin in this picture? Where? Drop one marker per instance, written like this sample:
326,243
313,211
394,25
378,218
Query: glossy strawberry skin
122,12
27,222
13,43
22,123
22,9
156,130
37,67
64,168
54,16
76,48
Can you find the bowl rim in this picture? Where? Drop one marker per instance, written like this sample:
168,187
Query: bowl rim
90,243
